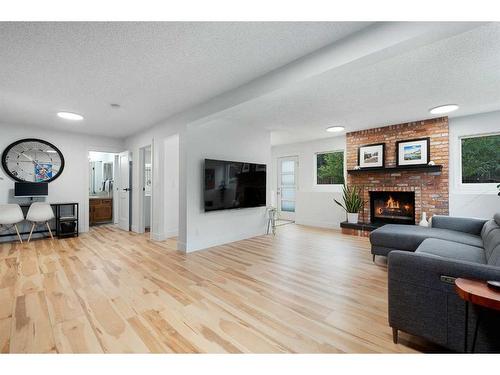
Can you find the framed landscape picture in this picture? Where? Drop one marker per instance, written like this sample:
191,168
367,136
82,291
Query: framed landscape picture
371,156
413,152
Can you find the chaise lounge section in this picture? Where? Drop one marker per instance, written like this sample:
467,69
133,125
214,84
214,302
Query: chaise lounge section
422,266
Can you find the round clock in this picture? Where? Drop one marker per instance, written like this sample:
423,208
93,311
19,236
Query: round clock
33,160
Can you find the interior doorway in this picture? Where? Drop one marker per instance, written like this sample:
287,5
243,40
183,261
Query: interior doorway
146,188
101,171
124,190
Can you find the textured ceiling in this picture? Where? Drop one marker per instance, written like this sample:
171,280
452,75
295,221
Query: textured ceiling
153,70
463,69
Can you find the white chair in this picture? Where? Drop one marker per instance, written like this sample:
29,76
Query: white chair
40,213
11,215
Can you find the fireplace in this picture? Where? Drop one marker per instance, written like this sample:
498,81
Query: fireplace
396,207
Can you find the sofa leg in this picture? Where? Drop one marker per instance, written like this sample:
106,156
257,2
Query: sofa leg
373,258
395,335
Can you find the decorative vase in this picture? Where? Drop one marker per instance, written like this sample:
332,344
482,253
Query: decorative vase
424,222
352,217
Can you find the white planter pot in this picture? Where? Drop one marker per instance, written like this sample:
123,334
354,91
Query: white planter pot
352,218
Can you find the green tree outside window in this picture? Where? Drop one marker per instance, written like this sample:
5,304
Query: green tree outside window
481,159
330,168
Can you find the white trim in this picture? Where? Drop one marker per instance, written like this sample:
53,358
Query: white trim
471,188
319,224
141,226
222,240
84,209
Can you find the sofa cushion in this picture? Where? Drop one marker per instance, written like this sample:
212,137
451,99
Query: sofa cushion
453,250
491,240
460,224
409,237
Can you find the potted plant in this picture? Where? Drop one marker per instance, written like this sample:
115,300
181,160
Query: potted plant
353,202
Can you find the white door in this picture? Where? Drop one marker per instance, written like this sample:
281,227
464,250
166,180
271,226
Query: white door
124,191
287,186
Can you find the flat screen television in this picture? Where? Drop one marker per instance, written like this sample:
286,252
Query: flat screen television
31,189
232,184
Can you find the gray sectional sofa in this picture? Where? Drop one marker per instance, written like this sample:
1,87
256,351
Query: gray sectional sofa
422,266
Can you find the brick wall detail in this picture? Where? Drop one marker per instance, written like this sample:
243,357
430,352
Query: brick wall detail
431,188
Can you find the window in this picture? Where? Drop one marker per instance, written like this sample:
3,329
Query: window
330,168
481,159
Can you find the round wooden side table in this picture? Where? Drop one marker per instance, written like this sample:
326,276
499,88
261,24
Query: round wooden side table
478,293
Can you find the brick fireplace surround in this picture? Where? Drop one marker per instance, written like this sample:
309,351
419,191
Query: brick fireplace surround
431,188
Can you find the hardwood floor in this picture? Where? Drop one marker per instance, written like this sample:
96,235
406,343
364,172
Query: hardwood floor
306,290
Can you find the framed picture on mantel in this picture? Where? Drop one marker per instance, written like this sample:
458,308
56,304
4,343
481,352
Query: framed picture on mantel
413,152
371,156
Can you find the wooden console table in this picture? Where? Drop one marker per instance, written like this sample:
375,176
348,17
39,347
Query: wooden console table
65,218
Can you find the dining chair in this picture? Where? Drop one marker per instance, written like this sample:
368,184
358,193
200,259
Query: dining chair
40,213
10,216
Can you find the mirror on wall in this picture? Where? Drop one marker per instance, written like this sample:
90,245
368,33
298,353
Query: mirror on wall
101,173
101,169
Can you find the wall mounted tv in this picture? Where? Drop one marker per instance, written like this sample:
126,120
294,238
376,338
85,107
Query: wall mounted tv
231,184
31,189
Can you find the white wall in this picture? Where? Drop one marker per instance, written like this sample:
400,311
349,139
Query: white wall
72,185
471,199
171,186
226,141
314,205
155,137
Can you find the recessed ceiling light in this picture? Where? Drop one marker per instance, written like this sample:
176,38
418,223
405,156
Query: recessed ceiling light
335,129
70,116
115,105
447,108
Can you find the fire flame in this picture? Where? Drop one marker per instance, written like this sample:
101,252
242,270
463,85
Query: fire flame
391,203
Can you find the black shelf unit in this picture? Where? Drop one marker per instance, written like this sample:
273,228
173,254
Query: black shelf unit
422,168
67,218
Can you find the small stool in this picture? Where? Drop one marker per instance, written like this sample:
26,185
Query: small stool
271,219
40,213
11,214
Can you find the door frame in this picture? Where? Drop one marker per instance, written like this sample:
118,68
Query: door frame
141,223
84,211
285,214
118,185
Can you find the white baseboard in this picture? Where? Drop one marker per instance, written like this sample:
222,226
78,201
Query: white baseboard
225,240
163,236
158,236
319,224
181,246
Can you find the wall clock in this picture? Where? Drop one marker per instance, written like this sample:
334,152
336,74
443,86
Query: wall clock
32,160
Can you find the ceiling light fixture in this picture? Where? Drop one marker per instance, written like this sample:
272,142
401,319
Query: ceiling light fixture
70,116
447,108
115,105
335,129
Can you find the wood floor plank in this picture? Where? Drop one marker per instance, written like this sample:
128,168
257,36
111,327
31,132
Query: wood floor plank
5,325
76,336
305,290
114,333
31,327
7,299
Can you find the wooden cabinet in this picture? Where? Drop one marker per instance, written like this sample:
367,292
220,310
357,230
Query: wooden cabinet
100,210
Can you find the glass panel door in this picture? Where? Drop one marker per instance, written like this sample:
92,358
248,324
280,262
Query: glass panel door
287,186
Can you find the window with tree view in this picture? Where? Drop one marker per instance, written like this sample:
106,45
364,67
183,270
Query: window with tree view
481,159
330,168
